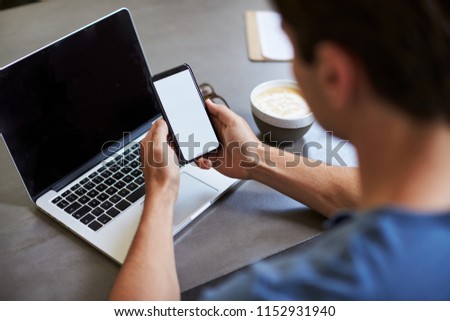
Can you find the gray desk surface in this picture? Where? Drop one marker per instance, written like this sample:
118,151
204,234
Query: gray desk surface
40,260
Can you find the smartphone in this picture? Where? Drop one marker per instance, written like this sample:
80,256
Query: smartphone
184,110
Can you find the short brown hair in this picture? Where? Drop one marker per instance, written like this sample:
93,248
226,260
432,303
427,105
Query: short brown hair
404,44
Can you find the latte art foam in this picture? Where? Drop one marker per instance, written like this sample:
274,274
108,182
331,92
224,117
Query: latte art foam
282,102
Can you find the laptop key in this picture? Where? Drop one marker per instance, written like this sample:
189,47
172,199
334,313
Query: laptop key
113,212
127,179
97,180
119,163
75,187
110,181
81,191
62,204
106,174
111,191
101,169
89,186
101,187
119,185
92,193
84,199
94,203
126,170
136,173
71,198
81,212
102,197
132,186
123,205
72,208
93,175
123,192
106,205
137,194
95,226
114,168
84,181
139,180
104,219
65,193
115,198
87,219
56,200
134,164
118,175
97,211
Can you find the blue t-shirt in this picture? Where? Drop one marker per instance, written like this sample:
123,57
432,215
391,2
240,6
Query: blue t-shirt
383,254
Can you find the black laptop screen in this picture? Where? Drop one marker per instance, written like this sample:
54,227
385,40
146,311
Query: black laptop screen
60,105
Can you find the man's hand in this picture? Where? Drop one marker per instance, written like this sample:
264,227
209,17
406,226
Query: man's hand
149,271
240,152
159,161
325,189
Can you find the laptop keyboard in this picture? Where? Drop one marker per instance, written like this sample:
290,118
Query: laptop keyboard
105,193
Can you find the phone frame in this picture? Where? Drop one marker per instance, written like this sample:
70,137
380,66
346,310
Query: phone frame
182,160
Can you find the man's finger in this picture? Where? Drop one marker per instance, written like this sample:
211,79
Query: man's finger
157,133
204,163
221,112
160,131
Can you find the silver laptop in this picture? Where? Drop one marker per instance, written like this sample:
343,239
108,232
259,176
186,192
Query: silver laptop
72,115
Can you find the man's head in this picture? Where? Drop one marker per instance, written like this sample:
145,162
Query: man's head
397,51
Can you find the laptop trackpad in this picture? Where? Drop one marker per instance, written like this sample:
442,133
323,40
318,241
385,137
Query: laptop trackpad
193,194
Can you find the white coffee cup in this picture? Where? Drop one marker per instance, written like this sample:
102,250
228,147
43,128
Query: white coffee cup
279,108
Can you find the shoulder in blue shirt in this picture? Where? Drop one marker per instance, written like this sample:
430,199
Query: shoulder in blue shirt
384,254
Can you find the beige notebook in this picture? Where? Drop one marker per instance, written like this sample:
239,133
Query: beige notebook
275,45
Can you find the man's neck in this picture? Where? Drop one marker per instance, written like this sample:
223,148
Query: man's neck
405,163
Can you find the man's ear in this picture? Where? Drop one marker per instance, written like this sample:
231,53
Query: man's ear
337,74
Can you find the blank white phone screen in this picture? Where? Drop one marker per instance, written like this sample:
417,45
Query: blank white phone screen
186,114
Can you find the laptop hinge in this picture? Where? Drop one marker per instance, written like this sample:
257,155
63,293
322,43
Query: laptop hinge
59,185
74,175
